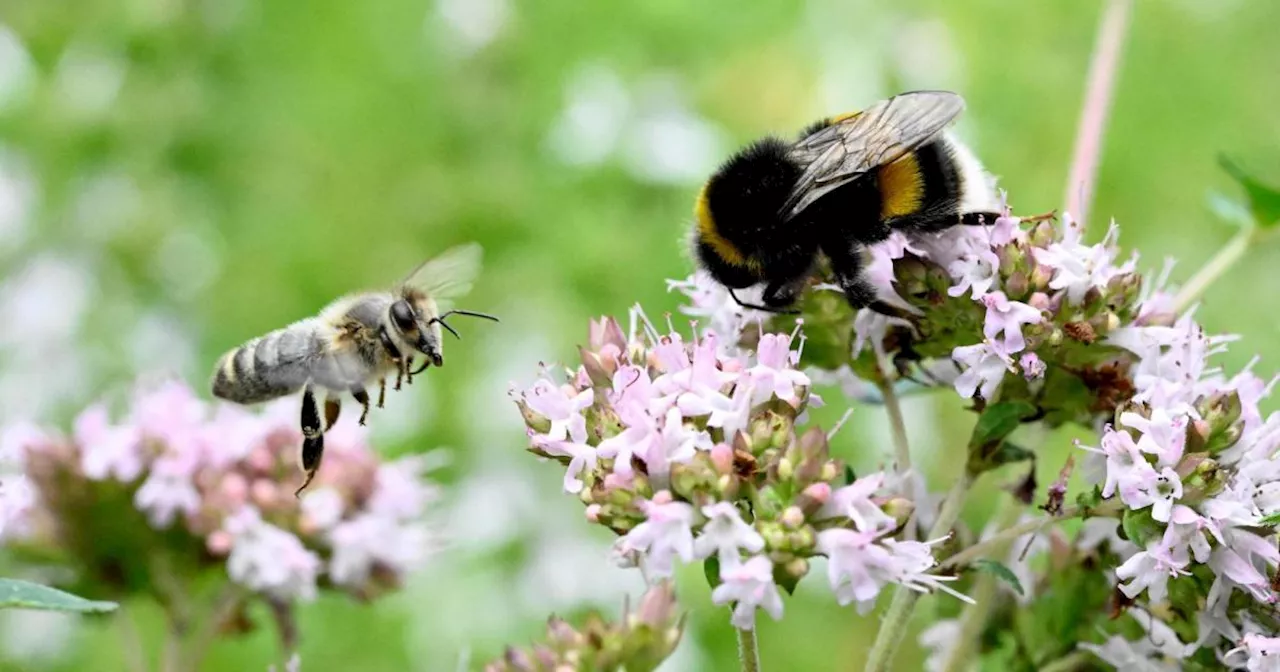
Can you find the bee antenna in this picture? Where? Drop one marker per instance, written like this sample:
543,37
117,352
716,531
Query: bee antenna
470,313
444,324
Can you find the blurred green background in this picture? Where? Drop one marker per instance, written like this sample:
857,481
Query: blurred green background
179,175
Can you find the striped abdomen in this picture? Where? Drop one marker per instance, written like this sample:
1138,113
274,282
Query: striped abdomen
270,366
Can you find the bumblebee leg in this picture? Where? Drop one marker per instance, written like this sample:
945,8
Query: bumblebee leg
408,370
312,438
363,397
382,391
332,407
846,265
979,218
779,295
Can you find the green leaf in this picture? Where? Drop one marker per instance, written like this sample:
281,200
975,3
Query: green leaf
998,421
987,446
1271,520
1264,199
849,476
1139,527
711,569
1000,572
19,594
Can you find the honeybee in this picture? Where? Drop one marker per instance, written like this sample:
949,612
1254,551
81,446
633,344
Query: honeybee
850,180
355,341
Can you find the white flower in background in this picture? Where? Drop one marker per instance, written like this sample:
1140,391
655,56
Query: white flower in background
473,24
596,108
268,559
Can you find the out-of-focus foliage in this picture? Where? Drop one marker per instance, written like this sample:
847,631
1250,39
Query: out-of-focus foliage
177,176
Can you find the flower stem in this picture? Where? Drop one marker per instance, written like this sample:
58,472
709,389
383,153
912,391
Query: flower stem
748,651
1223,260
1072,661
1097,102
134,656
984,596
897,427
993,543
894,626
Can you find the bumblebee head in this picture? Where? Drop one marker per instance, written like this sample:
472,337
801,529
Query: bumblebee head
737,213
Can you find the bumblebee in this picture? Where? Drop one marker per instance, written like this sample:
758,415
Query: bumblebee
773,209
355,341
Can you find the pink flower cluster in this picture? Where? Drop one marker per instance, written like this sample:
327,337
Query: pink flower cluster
225,476
1196,455
671,443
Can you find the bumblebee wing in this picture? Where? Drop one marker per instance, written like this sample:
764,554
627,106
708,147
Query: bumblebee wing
881,134
448,275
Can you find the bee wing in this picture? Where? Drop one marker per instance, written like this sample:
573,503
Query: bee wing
448,275
881,134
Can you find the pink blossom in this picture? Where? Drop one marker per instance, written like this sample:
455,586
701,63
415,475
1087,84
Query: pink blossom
853,501
749,585
557,405
370,540
268,559
774,375
1078,267
1007,317
322,507
724,534
1128,472
106,450
974,272
168,491
984,367
859,565
582,457
1032,366
666,534
1261,654
1150,570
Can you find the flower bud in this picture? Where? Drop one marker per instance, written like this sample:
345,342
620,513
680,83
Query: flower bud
899,508
1039,301
1017,285
797,567
793,517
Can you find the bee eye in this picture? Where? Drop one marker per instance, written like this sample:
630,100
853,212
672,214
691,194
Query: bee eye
403,315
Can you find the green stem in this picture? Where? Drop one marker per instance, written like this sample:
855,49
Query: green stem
991,544
897,427
134,656
1072,661
748,651
894,627
901,446
1219,264
984,594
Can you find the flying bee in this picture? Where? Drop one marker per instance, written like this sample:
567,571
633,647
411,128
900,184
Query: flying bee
848,182
355,341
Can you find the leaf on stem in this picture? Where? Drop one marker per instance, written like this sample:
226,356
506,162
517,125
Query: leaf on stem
19,594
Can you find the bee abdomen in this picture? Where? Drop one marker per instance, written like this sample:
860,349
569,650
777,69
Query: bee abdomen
267,367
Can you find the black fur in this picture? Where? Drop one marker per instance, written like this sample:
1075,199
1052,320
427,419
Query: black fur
745,197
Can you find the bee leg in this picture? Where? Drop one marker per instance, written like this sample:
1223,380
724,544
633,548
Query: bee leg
394,353
332,407
408,370
363,397
382,391
312,439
